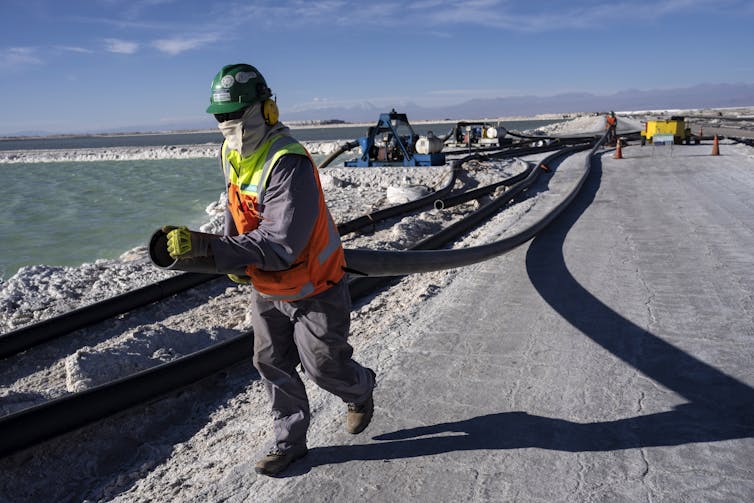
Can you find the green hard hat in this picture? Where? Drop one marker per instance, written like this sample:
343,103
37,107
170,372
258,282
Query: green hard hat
235,87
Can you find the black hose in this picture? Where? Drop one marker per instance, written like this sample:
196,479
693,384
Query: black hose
35,424
468,195
343,148
448,135
428,200
26,337
364,284
398,263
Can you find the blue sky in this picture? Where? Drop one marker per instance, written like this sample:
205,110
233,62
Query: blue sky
75,65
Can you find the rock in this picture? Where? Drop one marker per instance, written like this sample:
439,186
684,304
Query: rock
330,182
398,195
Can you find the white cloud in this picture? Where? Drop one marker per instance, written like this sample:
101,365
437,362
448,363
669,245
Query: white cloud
178,45
13,57
121,46
440,15
556,16
69,48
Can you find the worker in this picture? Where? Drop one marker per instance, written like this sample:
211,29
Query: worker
279,229
610,124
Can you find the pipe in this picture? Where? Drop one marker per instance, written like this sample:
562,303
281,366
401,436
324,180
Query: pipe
447,135
32,425
399,263
481,191
199,271
428,200
462,197
158,253
27,337
343,148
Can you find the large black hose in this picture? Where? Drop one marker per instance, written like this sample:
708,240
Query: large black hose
158,253
343,148
387,263
468,195
35,424
157,244
26,337
399,263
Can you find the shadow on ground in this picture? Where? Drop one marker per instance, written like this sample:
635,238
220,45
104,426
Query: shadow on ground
719,407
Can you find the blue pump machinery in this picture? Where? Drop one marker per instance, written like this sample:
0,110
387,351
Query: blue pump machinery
478,134
393,142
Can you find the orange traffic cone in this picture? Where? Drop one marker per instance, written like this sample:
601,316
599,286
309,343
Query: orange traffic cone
715,146
618,152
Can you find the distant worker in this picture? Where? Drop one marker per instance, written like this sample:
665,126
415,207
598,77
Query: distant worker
611,123
278,228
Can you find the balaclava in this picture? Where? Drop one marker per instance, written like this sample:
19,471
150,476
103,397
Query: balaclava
250,131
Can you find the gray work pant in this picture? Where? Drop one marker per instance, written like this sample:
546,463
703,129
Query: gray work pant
313,332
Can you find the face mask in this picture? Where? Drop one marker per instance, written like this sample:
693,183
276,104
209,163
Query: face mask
247,133
233,133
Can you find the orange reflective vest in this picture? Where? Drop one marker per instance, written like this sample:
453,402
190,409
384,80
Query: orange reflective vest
320,265
610,121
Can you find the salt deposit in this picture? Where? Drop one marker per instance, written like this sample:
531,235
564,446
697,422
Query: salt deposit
137,153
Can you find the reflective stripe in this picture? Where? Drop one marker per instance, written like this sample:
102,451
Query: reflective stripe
248,187
272,155
247,172
223,160
333,242
305,290
226,164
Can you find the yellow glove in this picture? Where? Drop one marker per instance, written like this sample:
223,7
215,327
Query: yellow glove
179,241
182,243
241,280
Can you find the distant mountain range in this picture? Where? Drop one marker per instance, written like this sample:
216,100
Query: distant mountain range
699,96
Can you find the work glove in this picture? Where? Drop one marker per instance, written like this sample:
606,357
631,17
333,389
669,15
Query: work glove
241,280
183,243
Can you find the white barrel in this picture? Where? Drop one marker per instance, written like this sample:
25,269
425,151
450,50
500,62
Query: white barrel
428,145
490,132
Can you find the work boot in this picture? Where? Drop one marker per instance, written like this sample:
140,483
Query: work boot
276,460
360,414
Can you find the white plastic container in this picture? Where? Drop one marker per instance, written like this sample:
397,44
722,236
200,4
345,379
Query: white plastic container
428,145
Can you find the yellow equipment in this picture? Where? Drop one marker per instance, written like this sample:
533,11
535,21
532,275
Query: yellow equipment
661,130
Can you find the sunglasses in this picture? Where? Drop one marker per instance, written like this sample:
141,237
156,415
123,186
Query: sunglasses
230,115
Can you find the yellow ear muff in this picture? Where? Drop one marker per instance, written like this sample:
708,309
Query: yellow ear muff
270,112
